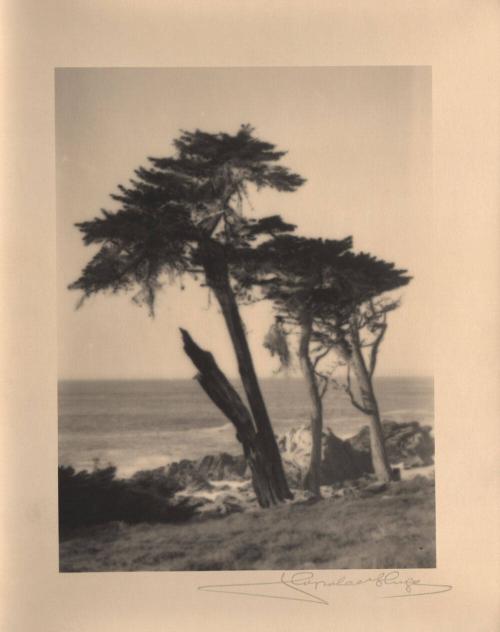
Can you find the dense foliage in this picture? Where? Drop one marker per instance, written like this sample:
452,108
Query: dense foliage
90,498
174,207
322,276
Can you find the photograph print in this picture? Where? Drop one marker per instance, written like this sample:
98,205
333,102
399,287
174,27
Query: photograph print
245,318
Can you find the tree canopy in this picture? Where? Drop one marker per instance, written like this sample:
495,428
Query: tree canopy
177,203
324,275
365,280
320,279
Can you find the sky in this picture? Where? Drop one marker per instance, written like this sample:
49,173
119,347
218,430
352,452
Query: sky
362,138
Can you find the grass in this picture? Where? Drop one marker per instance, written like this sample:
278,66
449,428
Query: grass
395,529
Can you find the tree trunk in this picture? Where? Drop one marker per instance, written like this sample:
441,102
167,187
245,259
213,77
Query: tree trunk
312,480
217,387
217,276
380,461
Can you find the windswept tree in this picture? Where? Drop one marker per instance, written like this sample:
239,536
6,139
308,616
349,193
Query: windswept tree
336,303
355,327
301,277
185,214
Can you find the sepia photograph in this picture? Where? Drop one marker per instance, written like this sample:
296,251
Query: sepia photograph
249,319
245,319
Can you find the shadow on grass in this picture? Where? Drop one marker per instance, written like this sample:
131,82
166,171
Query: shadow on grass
394,529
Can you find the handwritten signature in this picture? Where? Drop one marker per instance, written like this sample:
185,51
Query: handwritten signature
303,586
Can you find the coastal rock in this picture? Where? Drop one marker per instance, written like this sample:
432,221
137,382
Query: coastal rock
221,505
222,466
345,460
197,475
220,499
408,443
193,502
340,461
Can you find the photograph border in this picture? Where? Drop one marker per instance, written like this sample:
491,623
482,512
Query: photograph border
460,40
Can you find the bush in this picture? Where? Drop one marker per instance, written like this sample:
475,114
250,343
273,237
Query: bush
90,498
156,482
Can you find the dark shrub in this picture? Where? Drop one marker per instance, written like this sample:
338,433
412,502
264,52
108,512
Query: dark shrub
157,482
90,498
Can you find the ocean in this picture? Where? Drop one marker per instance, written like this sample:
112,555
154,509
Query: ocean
136,425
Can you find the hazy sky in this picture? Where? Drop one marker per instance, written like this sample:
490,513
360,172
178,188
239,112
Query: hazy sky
362,138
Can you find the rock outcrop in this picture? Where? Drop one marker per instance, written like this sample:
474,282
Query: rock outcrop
197,474
340,461
408,445
222,466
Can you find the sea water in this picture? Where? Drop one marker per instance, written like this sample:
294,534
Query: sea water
136,425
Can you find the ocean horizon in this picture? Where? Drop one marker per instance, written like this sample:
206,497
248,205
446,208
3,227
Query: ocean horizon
136,424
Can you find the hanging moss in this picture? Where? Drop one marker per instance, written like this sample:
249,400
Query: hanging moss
277,343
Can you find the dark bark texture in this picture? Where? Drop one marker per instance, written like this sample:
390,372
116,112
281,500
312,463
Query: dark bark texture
380,461
217,277
224,396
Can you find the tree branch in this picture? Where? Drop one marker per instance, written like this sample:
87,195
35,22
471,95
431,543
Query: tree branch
321,355
323,388
323,382
376,345
348,390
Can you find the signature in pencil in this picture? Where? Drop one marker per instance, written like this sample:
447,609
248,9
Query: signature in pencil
304,586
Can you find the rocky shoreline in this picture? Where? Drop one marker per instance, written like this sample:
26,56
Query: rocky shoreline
217,485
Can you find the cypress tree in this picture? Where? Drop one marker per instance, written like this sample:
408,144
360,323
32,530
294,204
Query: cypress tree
185,214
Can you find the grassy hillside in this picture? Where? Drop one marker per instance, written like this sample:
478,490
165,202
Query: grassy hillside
393,529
